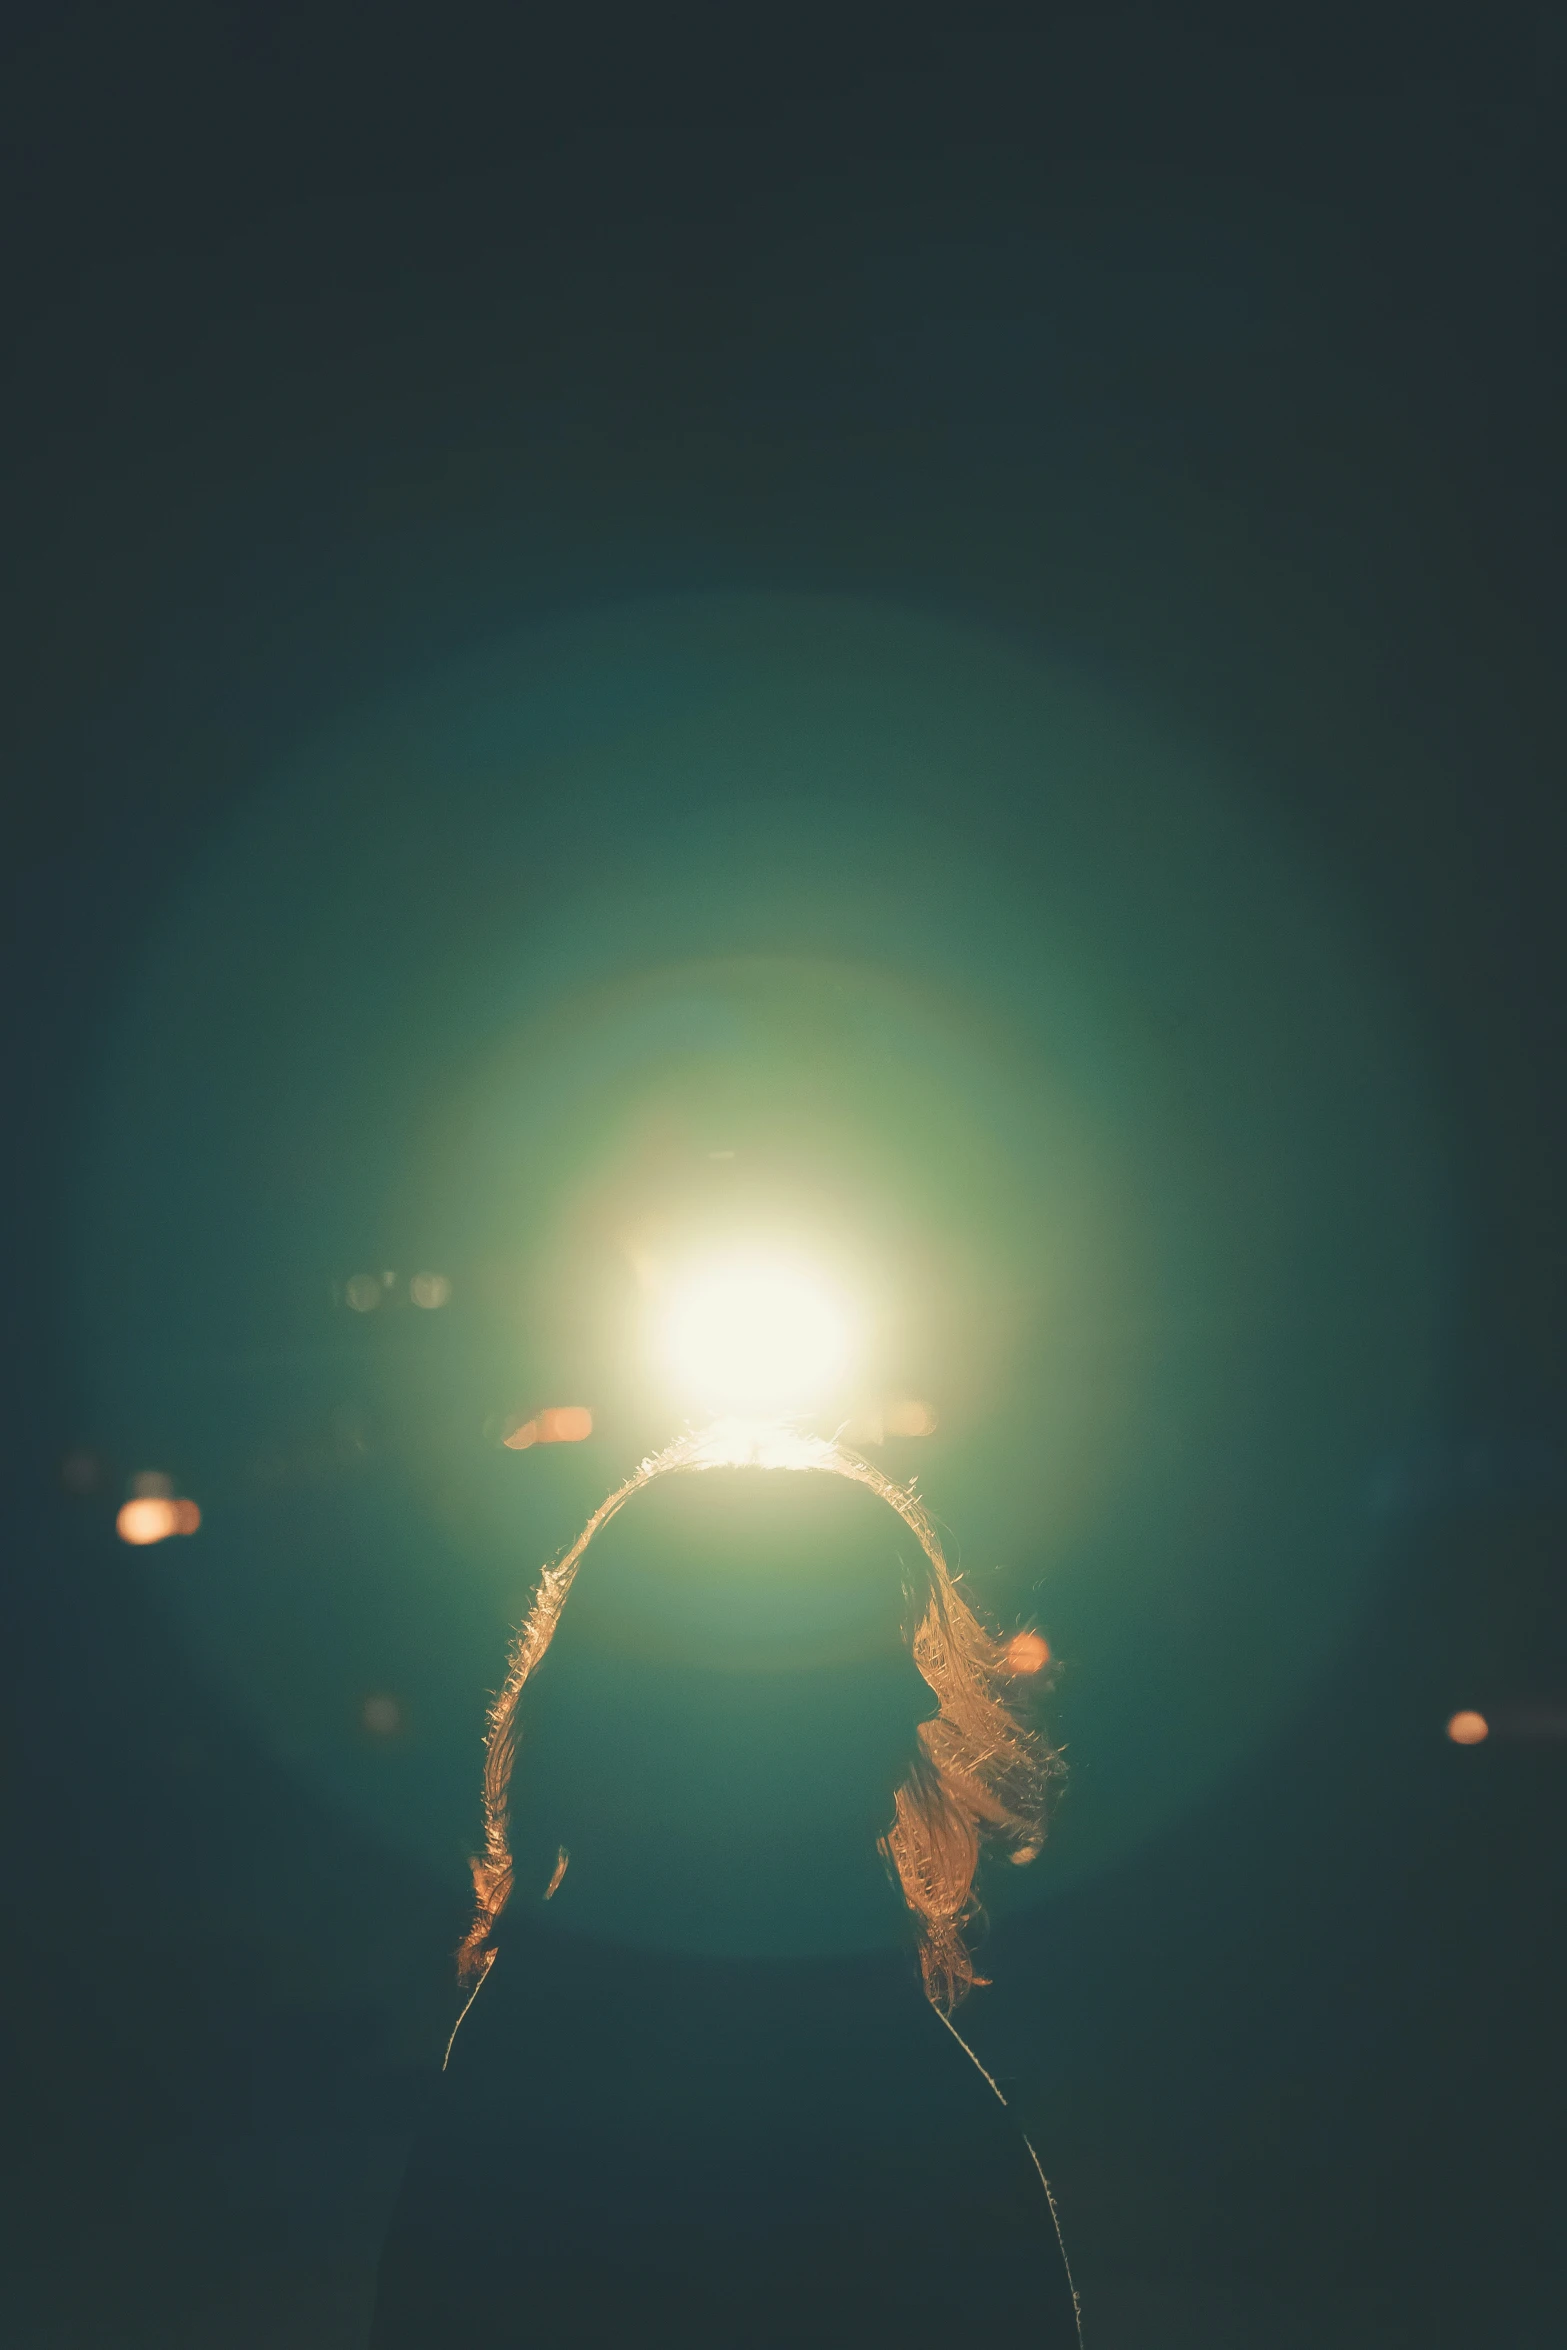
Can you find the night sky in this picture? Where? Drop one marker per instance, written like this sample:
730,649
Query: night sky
945,638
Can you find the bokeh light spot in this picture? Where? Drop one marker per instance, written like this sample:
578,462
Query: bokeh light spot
381,1715
154,1511
562,1423
147,1517
566,1423
1027,1652
363,1293
1468,1728
429,1290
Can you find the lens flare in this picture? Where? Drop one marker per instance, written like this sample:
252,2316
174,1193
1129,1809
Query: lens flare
754,1336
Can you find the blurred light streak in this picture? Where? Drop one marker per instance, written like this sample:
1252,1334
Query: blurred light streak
429,1290
1027,1652
1468,1729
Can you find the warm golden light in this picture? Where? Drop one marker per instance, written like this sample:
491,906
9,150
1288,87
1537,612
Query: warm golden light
562,1423
1468,1729
154,1512
1027,1652
149,1517
753,1336
565,1423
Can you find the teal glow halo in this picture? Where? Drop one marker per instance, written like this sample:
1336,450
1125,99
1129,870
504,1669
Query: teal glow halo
762,915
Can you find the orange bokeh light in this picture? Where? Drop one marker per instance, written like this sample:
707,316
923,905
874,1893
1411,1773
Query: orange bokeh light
152,1517
1027,1652
562,1423
1468,1729
566,1423
147,1518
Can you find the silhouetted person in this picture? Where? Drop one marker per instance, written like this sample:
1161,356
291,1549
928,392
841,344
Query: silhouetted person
705,2092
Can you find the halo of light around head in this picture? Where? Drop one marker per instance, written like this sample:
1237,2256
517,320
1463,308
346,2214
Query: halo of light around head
1081,1076
753,1335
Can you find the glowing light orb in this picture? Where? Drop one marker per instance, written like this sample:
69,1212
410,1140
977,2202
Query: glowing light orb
754,1336
1468,1729
153,1517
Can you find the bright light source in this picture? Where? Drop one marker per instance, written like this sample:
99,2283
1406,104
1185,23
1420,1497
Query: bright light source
753,1335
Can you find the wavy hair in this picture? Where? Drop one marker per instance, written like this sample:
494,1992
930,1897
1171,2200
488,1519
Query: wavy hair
981,1773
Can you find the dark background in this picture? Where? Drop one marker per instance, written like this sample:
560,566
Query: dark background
335,339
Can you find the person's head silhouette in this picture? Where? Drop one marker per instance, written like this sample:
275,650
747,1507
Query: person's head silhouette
792,1676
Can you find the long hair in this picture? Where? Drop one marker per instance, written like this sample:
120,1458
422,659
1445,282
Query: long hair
980,1775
